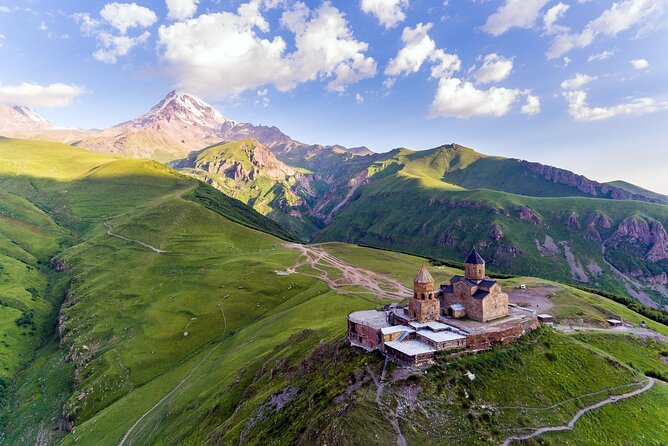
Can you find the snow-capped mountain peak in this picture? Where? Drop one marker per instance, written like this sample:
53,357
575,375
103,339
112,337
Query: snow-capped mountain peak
21,118
181,108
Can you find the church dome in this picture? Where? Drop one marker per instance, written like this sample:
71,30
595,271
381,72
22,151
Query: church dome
423,276
474,258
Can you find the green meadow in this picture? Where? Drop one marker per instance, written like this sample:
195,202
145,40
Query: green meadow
140,306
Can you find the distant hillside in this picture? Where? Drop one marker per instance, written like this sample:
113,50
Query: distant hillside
632,188
142,307
248,171
525,218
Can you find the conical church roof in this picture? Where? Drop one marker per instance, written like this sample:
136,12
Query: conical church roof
423,276
474,258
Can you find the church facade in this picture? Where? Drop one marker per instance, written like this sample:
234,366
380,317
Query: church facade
473,295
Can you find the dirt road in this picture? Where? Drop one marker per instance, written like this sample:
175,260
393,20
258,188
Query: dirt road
145,245
571,424
320,260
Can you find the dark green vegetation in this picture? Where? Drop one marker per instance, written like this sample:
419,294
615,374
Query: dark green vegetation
525,219
639,190
158,317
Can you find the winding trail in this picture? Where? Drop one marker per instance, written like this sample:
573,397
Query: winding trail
640,295
571,424
390,414
318,258
644,332
123,440
139,242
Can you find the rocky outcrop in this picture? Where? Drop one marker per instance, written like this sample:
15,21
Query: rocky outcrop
659,250
572,221
649,234
582,183
600,220
527,214
496,233
58,265
592,234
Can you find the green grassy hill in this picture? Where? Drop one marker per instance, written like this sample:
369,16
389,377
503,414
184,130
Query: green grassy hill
249,172
441,202
164,313
639,190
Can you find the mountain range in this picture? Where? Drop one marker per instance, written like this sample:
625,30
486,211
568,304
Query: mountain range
525,217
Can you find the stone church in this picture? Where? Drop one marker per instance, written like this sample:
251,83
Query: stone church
473,295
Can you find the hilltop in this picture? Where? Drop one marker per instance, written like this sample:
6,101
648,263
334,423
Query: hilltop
525,217
164,312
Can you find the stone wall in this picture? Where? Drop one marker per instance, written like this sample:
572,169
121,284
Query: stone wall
364,336
495,305
474,272
424,310
502,336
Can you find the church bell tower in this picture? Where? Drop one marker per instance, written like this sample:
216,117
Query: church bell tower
424,305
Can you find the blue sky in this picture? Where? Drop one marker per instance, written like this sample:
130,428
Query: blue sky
573,83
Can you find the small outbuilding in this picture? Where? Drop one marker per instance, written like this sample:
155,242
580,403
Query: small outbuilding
545,318
615,323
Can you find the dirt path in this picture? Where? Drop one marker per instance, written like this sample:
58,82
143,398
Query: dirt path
124,440
145,245
390,414
579,414
534,298
317,258
639,294
645,332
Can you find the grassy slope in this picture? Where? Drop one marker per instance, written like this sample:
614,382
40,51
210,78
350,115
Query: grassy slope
130,308
411,207
276,198
638,190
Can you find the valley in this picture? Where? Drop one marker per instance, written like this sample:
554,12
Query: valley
202,312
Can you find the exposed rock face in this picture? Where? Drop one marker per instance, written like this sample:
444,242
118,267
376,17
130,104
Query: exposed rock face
661,278
592,234
548,247
659,251
572,221
527,214
582,183
638,230
496,233
600,220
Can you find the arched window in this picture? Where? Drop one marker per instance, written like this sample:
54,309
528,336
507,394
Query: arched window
415,295
422,296
430,295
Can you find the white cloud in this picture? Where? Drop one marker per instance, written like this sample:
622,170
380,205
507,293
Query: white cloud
181,9
34,95
580,110
389,82
607,54
221,54
43,27
419,48
578,81
359,98
262,92
388,12
532,105
114,47
2,39
514,14
124,16
5,9
494,68
87,24
552,15
461,99
619,17
639,64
